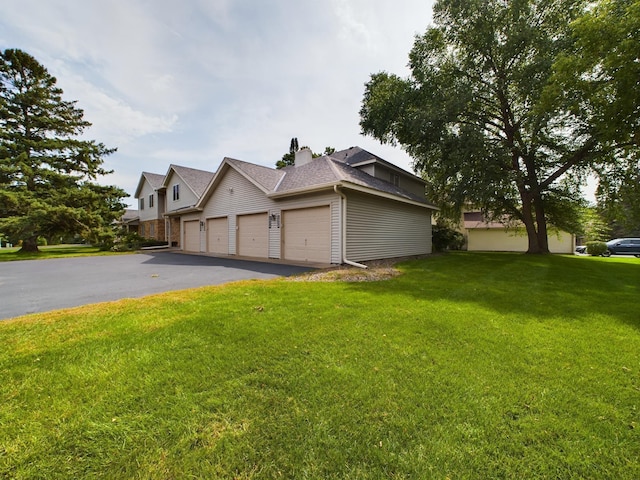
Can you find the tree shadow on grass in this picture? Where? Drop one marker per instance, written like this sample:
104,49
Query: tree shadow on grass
549,286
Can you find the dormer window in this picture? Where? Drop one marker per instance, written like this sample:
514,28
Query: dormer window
395,179
176,192
151,201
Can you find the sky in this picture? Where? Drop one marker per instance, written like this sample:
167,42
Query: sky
189,82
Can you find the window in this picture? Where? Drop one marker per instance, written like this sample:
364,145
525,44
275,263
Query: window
151,201
395,179
176,192
152,230
142,204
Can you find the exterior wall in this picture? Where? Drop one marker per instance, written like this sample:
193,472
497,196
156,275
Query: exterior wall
503,240
187,197
174,233
149,213
235,195
144,230
380,228
406,183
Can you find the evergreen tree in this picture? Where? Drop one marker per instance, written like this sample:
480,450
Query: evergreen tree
47,172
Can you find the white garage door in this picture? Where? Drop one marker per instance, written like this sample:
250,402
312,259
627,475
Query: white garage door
307,234
218,235
253,235
192,236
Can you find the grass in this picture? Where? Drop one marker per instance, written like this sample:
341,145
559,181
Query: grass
52,251
466,366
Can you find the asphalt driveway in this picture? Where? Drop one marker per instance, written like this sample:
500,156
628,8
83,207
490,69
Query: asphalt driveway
33,286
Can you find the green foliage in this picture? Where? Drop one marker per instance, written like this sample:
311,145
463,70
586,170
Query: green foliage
46,171
467,366
593,225
483,115
596,248
446,238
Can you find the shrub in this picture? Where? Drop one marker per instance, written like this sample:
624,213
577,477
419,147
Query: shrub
445,238
596,248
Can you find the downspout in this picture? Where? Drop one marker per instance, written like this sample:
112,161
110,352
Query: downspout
343,216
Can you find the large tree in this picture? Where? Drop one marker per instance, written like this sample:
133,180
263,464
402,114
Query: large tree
484,116
47,172
601,79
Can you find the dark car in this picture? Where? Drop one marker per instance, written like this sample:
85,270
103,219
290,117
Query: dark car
623,246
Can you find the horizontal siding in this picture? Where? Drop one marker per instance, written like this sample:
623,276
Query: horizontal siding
514,240
187,197
235,195
380,228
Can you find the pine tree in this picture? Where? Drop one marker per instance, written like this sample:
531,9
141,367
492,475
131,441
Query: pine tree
47,172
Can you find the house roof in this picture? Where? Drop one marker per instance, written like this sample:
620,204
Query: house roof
354,156
196,180
321,173
155,180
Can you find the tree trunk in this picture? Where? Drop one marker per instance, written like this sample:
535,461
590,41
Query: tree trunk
30,245
541,221
529,222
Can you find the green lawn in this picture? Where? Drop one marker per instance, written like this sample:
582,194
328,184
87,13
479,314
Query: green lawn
476,366
52,251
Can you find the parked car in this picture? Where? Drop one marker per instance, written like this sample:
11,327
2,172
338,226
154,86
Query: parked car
581,249
623,246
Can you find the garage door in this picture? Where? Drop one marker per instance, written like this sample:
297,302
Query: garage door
218,235
192,236
307,234
253,235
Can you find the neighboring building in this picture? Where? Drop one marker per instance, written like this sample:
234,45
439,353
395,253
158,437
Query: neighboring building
348,207
492,236
130,220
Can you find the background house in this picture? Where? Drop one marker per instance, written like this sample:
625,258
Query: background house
492,236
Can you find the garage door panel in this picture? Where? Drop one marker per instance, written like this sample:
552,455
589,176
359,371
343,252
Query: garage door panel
307,234
218,235
192,236
253,235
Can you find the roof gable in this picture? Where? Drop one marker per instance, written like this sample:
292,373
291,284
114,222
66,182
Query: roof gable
322,172
196,180
155,180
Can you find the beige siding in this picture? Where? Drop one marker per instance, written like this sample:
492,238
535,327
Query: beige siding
307,234
218,235
514,240
149,213
187,197
380,228
235,195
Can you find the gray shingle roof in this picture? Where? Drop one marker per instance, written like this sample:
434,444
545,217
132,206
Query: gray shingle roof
266,177
155,179
321,171
196,179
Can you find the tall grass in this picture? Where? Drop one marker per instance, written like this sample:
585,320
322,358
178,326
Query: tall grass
466,366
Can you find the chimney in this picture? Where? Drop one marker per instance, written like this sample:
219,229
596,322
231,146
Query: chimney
303,156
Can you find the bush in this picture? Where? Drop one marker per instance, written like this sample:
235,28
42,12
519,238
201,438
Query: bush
445,238
596,248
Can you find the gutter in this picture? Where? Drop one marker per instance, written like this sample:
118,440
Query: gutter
343,215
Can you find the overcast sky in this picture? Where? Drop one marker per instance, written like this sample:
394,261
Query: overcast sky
192,81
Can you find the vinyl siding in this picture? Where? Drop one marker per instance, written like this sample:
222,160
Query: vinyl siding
235,195
187,197
380,228
149,213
